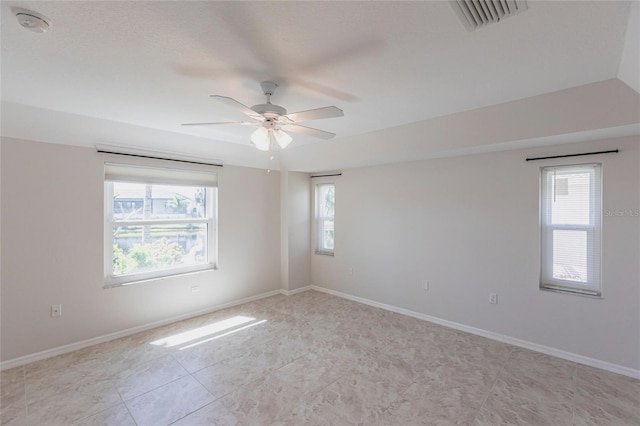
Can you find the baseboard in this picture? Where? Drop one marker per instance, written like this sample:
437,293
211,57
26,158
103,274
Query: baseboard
295,291
16,362
570,356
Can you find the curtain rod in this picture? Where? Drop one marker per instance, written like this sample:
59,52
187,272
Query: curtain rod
336,174
573,155
159,158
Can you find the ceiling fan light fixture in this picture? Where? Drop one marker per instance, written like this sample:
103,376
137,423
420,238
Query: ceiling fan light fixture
261,139
282,138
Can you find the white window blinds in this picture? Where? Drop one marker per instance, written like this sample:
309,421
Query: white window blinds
114,172
571,216
325,218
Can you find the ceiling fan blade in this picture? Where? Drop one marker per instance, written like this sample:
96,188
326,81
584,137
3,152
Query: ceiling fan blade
237,105
241,123
308,131
316,114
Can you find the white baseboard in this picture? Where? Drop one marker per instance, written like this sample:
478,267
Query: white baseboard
16,362
570,356
295,291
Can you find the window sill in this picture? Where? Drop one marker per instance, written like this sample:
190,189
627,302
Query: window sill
571,292
324,253
132,280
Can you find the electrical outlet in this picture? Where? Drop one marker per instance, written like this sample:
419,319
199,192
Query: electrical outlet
56,310
493,298
350,270
425,285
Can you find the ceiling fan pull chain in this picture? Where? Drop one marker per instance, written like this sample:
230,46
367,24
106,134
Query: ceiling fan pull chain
270,153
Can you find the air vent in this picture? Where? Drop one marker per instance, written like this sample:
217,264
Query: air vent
476,14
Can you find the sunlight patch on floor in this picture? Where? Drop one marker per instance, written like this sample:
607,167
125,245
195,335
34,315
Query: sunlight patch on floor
222,335
200,332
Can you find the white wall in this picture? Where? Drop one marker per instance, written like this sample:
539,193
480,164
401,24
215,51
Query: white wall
299,228
469,225
52,222
295,225
629,70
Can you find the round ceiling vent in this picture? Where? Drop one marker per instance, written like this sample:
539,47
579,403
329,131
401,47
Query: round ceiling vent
32,21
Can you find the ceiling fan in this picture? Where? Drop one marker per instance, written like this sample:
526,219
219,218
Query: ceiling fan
273,120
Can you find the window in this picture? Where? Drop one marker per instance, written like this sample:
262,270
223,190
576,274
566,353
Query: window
325,212
158,222
570,217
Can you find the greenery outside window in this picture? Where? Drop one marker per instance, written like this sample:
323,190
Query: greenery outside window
159,222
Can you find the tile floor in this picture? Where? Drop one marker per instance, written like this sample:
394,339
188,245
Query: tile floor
312,358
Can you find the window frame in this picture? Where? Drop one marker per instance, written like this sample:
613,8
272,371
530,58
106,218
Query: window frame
110,281
320,219
593,286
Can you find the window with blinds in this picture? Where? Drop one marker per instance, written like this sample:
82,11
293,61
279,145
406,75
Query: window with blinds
158,222
571,227
325,218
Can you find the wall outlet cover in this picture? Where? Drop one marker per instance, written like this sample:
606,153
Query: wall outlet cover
56,310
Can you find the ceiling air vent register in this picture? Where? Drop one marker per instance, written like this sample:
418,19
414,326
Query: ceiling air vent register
476,14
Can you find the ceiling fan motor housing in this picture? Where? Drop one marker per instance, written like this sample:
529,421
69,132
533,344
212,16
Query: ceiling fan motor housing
269,110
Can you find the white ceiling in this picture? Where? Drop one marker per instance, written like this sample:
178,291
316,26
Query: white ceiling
128,73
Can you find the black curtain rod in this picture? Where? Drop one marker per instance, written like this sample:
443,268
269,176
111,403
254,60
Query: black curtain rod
573,155
337,174
159,158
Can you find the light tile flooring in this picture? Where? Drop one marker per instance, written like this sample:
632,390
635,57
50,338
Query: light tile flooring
312,359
